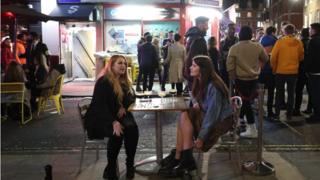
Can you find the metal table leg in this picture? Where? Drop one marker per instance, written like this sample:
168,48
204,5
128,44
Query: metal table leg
159,155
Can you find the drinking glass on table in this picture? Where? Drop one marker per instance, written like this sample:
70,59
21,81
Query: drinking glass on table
162,94
148,94
173,92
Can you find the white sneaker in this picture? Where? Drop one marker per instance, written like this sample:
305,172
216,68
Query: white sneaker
251,131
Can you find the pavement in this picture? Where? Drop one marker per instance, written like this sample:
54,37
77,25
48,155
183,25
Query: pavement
293,149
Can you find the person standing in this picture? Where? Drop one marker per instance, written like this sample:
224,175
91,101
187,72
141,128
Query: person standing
155,43
175,59
36,47
148,63
165,46
140,43
285,58
302,78
6,54
213,52
312,63
243,66
21,49
225,45
108,116
195,33
266,76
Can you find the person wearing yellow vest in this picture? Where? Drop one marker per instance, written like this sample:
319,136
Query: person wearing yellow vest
285,58
21,49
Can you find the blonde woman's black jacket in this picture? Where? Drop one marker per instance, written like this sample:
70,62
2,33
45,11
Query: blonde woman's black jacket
103,109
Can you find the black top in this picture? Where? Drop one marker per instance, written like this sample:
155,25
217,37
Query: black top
312,61
147,56
214,55
104,108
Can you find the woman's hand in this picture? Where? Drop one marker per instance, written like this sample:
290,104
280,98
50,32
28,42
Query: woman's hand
198,143
196,106
117,128
122,112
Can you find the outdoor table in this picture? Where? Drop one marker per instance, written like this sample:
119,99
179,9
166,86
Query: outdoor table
158,105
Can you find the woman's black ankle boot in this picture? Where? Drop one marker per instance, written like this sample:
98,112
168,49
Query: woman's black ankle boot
187,163
169,158
110,172
130,172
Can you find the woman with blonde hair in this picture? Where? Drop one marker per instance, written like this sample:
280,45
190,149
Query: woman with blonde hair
108,115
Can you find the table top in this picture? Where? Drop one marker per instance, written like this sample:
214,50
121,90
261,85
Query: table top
158,104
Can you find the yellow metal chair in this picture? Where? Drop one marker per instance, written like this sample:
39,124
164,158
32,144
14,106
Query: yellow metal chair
15,93
54,94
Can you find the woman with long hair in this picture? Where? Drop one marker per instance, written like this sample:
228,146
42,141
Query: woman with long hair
14,73
209,118
108,115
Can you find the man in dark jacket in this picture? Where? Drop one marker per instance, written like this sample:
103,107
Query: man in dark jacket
312,64
198,31
148,62
195,32
225,45
36,47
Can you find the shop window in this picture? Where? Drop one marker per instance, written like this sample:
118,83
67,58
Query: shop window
306,24
249,14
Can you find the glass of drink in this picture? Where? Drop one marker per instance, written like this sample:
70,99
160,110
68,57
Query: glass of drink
148,94
173,92
162,94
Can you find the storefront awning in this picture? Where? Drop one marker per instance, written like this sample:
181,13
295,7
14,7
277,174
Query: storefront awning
77,12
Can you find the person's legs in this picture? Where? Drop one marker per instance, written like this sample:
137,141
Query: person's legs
139,78
131,136
113,149
173,85
315,97
151,78
279,93
301,81
270,83
291,85
145,75
164,77
179,88
184,160
309,106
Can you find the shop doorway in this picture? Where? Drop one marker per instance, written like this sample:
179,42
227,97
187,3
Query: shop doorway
78,44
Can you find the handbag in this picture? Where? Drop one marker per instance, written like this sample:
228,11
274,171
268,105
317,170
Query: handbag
219,129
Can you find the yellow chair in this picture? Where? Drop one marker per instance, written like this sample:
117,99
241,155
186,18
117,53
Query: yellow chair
12,93
54,94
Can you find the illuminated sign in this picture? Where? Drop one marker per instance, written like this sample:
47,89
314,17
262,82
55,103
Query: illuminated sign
133,12
215,3
119,1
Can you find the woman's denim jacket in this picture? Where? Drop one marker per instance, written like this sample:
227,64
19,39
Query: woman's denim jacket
215,108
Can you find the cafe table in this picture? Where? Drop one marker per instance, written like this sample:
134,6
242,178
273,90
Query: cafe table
157,105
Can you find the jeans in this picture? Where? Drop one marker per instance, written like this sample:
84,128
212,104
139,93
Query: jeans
281,80
247,90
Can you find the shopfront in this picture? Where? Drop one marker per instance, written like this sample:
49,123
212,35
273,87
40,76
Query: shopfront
86,36
77,29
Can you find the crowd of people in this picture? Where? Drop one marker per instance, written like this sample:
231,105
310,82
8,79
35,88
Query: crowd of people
29,64
243,60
